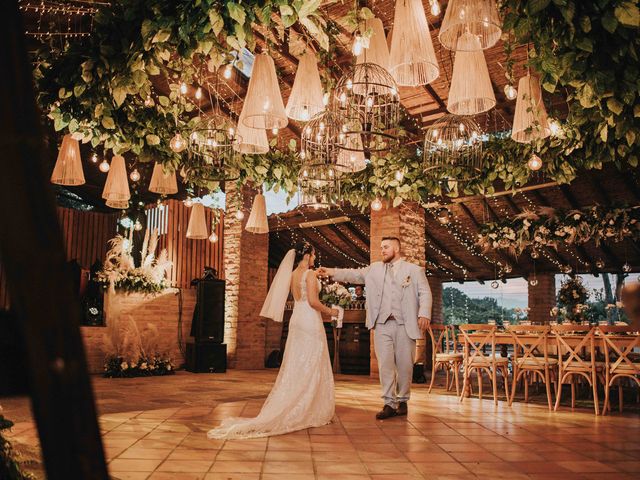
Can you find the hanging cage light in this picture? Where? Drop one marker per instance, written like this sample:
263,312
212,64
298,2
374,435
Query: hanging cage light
476,17
471,91
68,168
453,149
163,181
367,101
305,100
211,147
413,60
318,186
530,120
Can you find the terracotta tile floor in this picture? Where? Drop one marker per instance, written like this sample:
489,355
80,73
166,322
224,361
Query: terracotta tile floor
155,429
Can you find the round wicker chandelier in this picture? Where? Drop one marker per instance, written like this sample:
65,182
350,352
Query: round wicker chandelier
453,149
318,186
368,104
211,147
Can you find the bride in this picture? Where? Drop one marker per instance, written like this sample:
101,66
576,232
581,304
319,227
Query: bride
303,394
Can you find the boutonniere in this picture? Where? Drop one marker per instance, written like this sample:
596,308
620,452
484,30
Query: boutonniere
406,282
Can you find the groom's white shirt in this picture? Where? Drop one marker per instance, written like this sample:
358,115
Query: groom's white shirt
415,298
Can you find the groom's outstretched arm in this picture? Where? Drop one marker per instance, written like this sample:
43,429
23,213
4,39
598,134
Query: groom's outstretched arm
346,275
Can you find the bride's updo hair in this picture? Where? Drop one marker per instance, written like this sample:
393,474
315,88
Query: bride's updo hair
302,249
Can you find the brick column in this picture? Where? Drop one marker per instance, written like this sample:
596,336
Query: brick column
406,222
246,257
542,297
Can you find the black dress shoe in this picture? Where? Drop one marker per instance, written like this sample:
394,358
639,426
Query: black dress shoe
386,412
402,409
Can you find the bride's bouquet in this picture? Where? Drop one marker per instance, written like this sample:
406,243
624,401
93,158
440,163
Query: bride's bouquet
337,296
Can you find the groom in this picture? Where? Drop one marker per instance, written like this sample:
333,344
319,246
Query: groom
399,311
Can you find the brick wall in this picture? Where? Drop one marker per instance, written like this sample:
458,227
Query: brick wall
246,258
542,297
161,310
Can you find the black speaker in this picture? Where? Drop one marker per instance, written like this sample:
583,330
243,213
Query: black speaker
208,316
206,357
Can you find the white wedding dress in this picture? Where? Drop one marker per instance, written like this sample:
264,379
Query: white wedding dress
303,395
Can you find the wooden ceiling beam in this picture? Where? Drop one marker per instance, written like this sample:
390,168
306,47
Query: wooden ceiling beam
447,253
363,254
357,233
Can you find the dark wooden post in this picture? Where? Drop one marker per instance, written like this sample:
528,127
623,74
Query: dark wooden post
42,296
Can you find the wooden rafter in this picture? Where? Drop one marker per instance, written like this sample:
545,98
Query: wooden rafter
364,255
446,251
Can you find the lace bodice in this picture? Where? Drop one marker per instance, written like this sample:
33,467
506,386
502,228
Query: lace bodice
303,287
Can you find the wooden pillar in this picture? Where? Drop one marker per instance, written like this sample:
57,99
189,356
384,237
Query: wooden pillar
542,297
406,222
246,257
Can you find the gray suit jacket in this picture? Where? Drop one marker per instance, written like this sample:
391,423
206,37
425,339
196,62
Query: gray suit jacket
416,294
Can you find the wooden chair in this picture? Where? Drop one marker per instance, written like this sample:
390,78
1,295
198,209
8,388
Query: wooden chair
444,355
573,362
620,361
475,359
531,358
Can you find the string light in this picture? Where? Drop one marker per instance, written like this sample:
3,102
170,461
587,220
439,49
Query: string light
534,163
134,175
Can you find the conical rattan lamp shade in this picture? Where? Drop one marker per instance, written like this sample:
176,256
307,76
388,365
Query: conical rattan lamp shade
378,51
162,181
305,100
477,17
412,59
68,169
252,140
197,228
530,120
471,91
263,107
116,188
258,222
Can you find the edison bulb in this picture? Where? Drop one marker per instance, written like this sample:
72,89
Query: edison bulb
533,282
376,205
94,157
227,72
183,88
510,92
213,237
188,202
134,175
535,254
399,175
534,163
435,8
325,99
137,226
240,215
508,268
357,45
600,263
199,93
274,130
626,268
495,284
554,127
148,102
177,143
104,166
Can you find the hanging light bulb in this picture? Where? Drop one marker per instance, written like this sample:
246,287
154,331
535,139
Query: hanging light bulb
444,215
227,71
508,268
534,163
134,175
188,202
600,263
626,268
213,238
357,46
376,205
399,176
510,92
535,254
274,130
137,226
495,284
148,102
533,282
554,127
239,214
177,143
435,8
183,88
94,157
567,269
104,166
199,93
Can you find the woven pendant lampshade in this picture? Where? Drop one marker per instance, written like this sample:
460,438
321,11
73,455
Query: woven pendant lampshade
305,100
68,169
263,107
530,120
257,222
116,188
163,181
252,141
471,91
477,17
378,51
197,228
412,60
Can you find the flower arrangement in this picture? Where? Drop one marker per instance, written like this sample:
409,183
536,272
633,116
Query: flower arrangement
573,296
120,272
548,228
9,458
134,353
335,294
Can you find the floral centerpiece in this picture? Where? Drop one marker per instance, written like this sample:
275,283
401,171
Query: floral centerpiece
573,296
335,294
120,272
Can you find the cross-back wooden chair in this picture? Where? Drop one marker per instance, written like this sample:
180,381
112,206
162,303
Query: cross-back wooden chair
444,354
620,361
573,362
531,358
476,359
